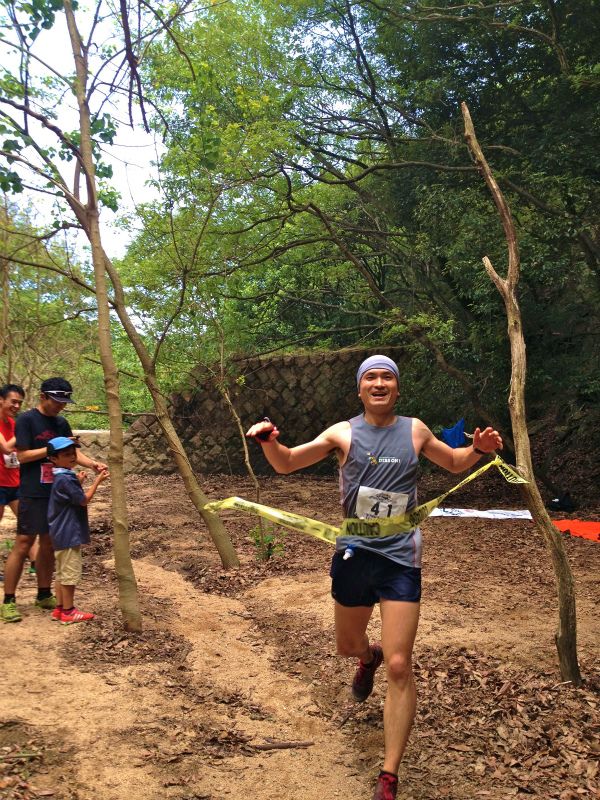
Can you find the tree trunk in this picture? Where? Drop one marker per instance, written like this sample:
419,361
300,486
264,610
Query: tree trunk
213,522
128,595
4,333
566,636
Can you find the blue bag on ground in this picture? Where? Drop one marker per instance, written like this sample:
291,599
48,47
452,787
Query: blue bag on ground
455,437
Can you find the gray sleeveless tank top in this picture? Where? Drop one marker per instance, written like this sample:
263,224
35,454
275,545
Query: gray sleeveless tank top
379,479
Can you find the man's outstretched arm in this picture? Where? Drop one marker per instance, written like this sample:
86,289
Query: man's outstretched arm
288,459
460,458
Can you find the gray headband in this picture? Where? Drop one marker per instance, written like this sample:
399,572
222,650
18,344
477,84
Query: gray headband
377,362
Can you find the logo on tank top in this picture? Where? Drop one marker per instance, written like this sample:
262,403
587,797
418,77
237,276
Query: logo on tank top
374,461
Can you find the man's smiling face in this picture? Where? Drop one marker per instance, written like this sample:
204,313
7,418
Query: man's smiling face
11,405
378,390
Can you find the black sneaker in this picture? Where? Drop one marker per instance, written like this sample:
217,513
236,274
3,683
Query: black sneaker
362,685
386,787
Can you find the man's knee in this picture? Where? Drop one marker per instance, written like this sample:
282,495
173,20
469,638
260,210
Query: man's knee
398,667
22,545
348,646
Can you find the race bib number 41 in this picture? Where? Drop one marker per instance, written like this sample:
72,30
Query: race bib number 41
377,504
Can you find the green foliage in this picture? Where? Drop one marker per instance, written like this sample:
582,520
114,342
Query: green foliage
375,91
268,542
51,326
10,181
41,14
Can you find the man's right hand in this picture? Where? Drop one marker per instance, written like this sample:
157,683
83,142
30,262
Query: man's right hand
263,431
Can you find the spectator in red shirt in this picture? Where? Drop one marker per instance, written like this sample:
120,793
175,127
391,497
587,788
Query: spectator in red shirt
11,399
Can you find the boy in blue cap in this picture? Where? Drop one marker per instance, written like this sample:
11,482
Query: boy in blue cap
68,524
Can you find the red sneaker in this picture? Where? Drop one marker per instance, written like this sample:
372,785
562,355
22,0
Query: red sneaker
56,614
362,685
386,787
74,616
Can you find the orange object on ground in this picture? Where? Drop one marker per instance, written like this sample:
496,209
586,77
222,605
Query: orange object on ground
587,530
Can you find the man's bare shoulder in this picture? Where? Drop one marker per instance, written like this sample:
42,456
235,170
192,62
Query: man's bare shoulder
337,434
418,426
421,435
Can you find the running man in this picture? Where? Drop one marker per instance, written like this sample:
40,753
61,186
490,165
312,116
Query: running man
33,430
378,456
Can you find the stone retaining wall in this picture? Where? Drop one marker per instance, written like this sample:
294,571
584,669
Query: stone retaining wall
301,394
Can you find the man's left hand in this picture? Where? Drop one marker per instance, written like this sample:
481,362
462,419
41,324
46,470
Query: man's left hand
487,440
99,467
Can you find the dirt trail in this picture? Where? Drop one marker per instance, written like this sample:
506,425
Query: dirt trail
225,654
94,714
78,712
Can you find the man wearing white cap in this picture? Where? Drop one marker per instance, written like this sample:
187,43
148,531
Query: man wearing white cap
378,456
33,431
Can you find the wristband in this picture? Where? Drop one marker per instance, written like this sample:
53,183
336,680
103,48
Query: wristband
479,452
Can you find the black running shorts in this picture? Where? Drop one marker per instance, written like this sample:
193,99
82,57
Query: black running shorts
367,577
32,519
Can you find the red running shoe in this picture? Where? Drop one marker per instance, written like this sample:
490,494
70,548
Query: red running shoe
74,616
362,685
56,614
386,787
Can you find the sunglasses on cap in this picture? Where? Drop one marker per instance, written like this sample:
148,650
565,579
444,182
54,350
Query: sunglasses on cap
58,393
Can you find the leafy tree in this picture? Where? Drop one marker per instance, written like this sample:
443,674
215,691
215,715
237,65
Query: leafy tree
38,103
365,205
37,305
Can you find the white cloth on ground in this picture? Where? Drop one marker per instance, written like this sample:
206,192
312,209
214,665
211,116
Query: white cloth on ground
493,513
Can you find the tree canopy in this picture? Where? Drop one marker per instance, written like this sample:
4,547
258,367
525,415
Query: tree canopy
315,189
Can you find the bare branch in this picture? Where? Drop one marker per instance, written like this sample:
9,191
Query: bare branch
502,205
350,255
167,28
382,168
71,317
122,371
59,184
32,55
70,275
133,66
317,335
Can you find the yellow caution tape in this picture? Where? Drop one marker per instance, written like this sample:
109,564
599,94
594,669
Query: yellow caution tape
321,530
369,528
